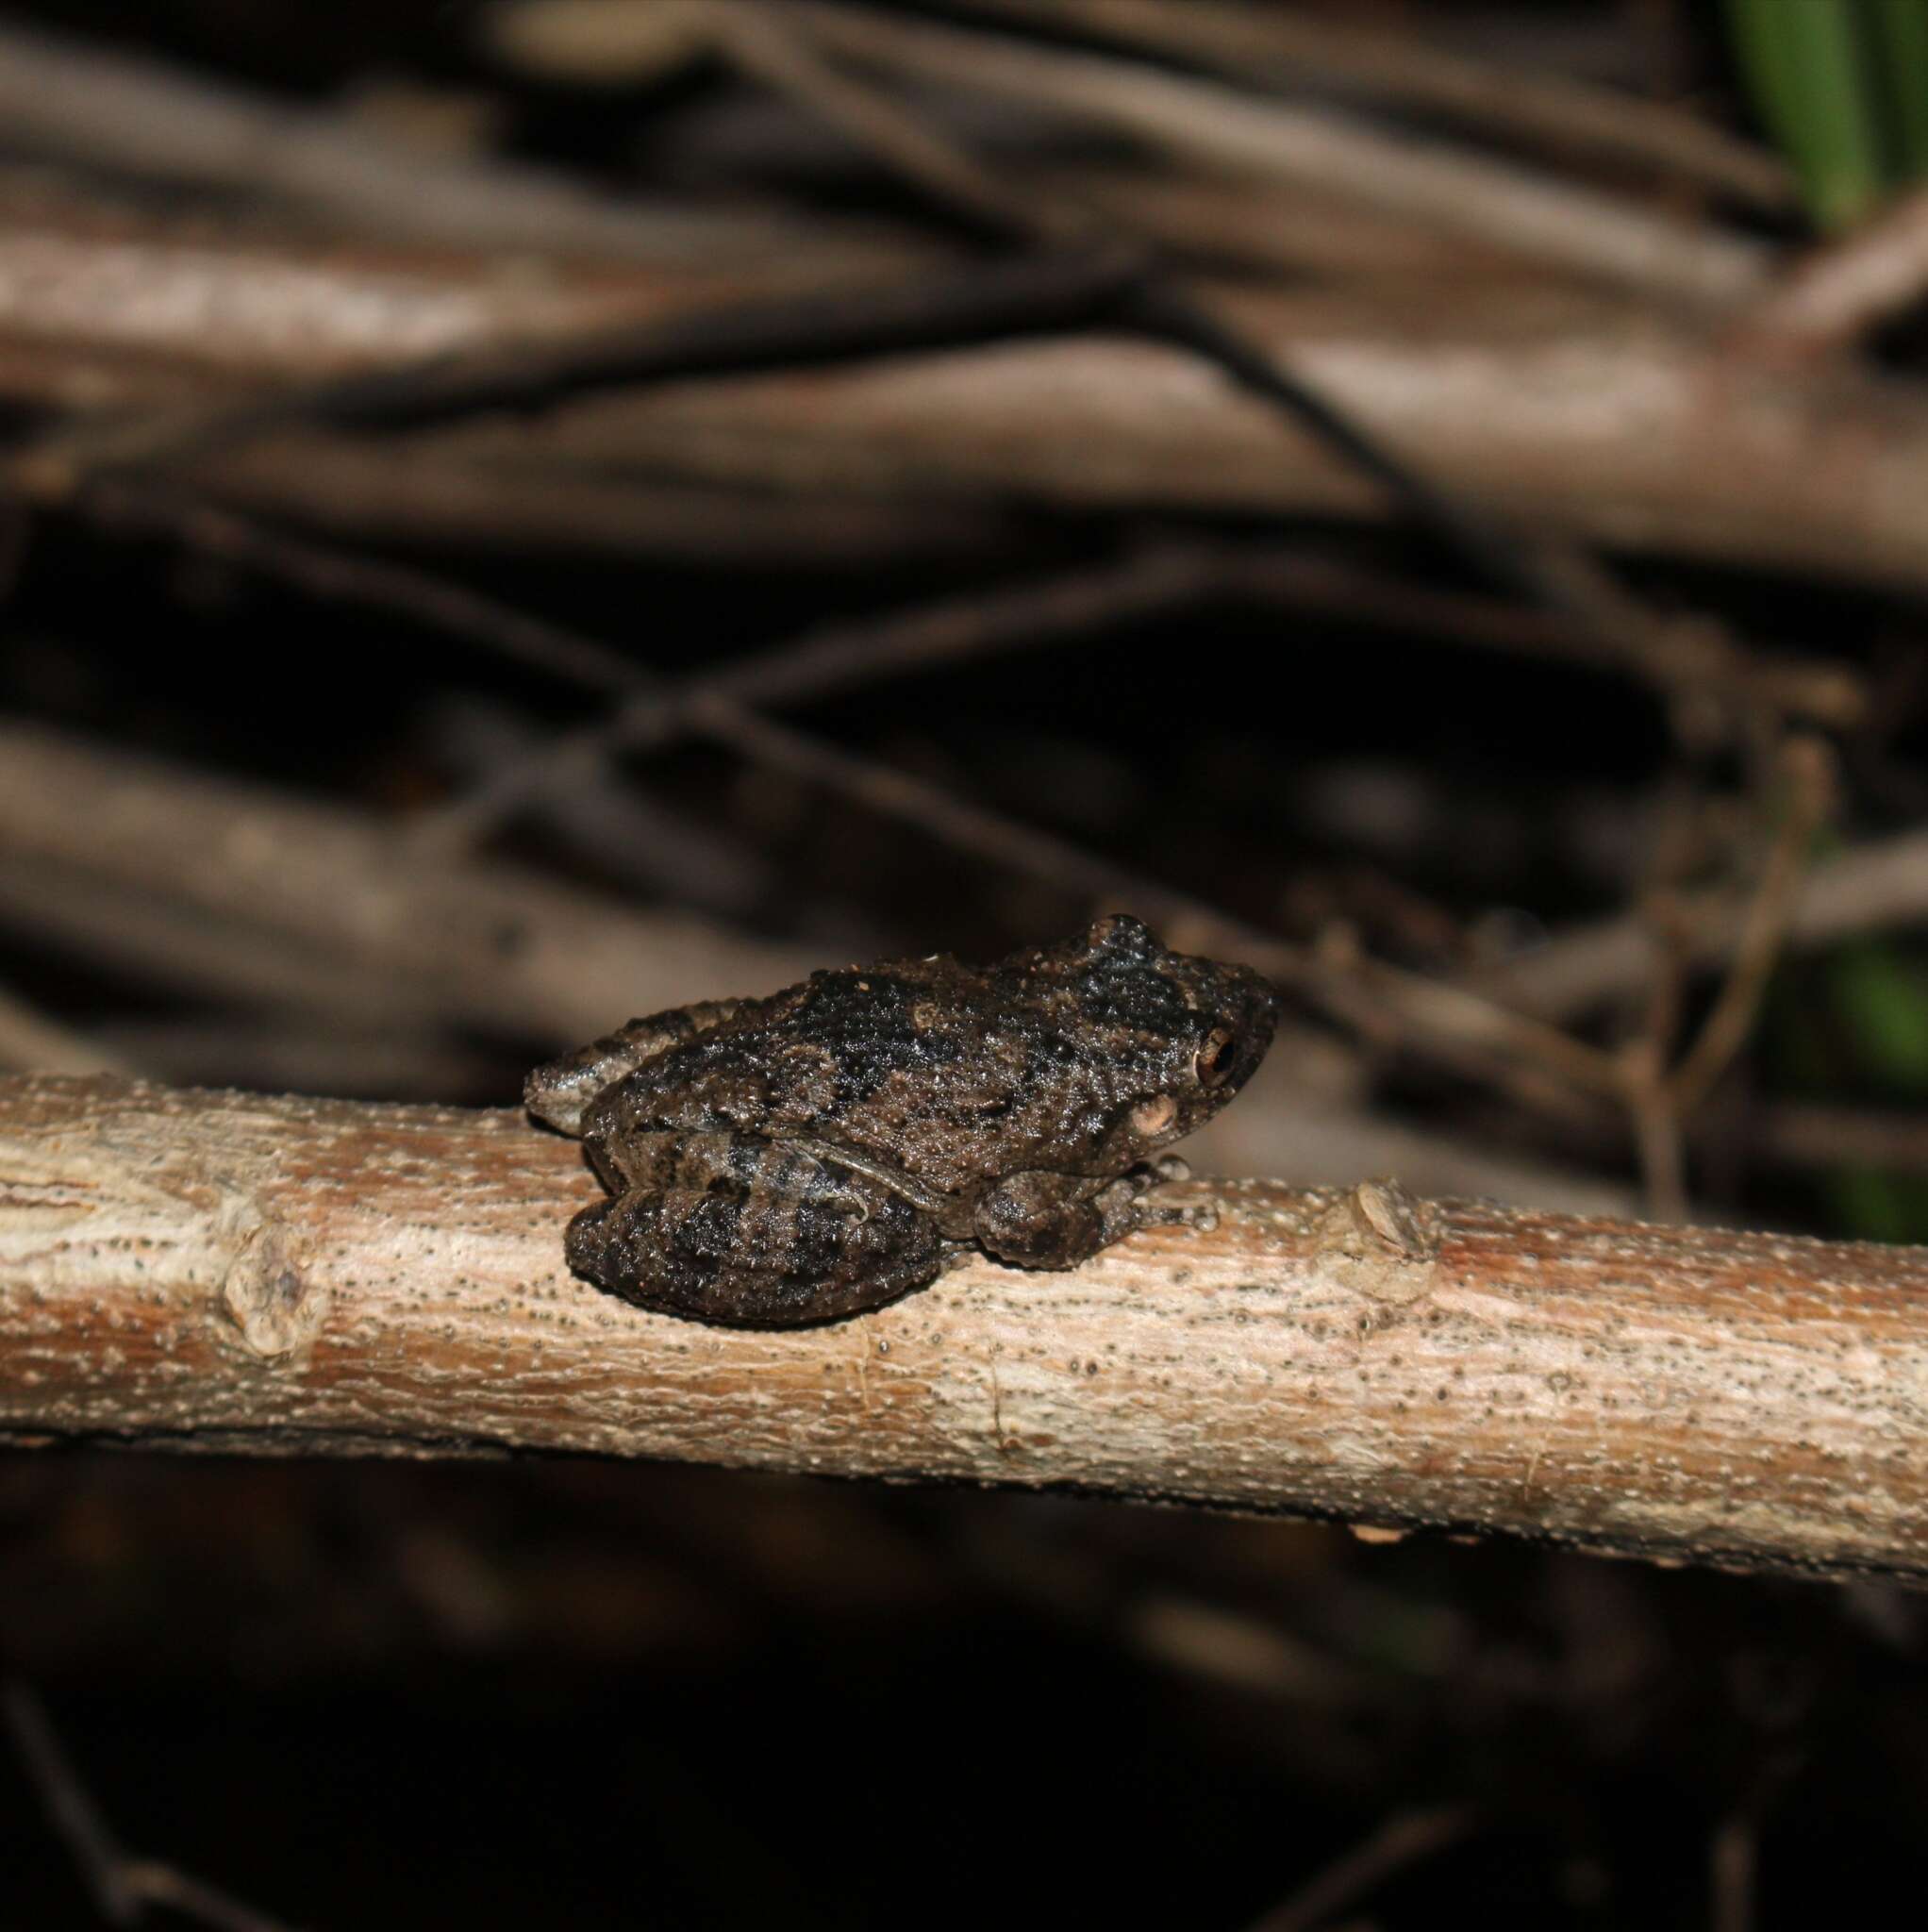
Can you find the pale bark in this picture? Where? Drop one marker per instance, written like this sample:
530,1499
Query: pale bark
1578,417
1848,287
218,1271
246,888
1287,48
1204,123
1591,418
1864,889
82,101
254,299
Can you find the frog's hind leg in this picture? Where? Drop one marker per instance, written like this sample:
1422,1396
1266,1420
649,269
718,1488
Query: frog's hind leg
560,1089
755,1257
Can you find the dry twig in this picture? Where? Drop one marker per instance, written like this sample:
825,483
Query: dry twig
1843,290
1405,1840
1807,774
1206,124
1561,414
1022,295
490,944
1287,47
123,1886
103,109
1809,1134
30,1041
1881,883
1663,1094
836,656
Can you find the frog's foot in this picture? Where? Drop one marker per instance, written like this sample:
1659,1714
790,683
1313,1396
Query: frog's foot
1037,1220
1150,1211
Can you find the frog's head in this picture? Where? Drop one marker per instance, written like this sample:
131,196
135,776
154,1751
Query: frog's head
1182,1034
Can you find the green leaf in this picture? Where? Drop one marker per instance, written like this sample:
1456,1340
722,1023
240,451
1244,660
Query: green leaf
1873,1205
1898,32
1855,1021
1805,65
1881,995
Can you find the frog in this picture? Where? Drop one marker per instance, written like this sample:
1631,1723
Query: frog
818,1152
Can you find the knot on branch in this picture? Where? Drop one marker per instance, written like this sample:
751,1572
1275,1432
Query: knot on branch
273,1300
1381,1241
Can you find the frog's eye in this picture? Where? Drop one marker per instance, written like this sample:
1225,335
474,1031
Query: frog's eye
1215,1057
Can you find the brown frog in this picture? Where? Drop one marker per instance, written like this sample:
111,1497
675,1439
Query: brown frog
790,1159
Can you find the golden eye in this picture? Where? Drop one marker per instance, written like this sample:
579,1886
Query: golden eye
1215,1058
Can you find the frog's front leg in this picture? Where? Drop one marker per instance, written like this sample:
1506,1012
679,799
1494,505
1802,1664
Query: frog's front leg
1039,1220
560,1089
727,1227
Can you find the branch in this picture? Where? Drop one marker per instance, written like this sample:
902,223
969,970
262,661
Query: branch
1283,48
329,913
123,1887
1846,289
1562,412
488,943
500,946
1402,1841
1202,123
1538,216
1573,415
971,304
31,1039
220,1270
77,101
99,283
1881,883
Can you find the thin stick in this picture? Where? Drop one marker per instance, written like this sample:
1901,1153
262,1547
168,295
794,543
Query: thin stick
1807,772
355,918
836,656
1645,1058
1661,1147
70,1809
1550,220
123,1887
1283,48
31,1042
1880,883
1811,1135
982,303
76,99
1846,289
1407,1839
1563,577
761,44
1469,1031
